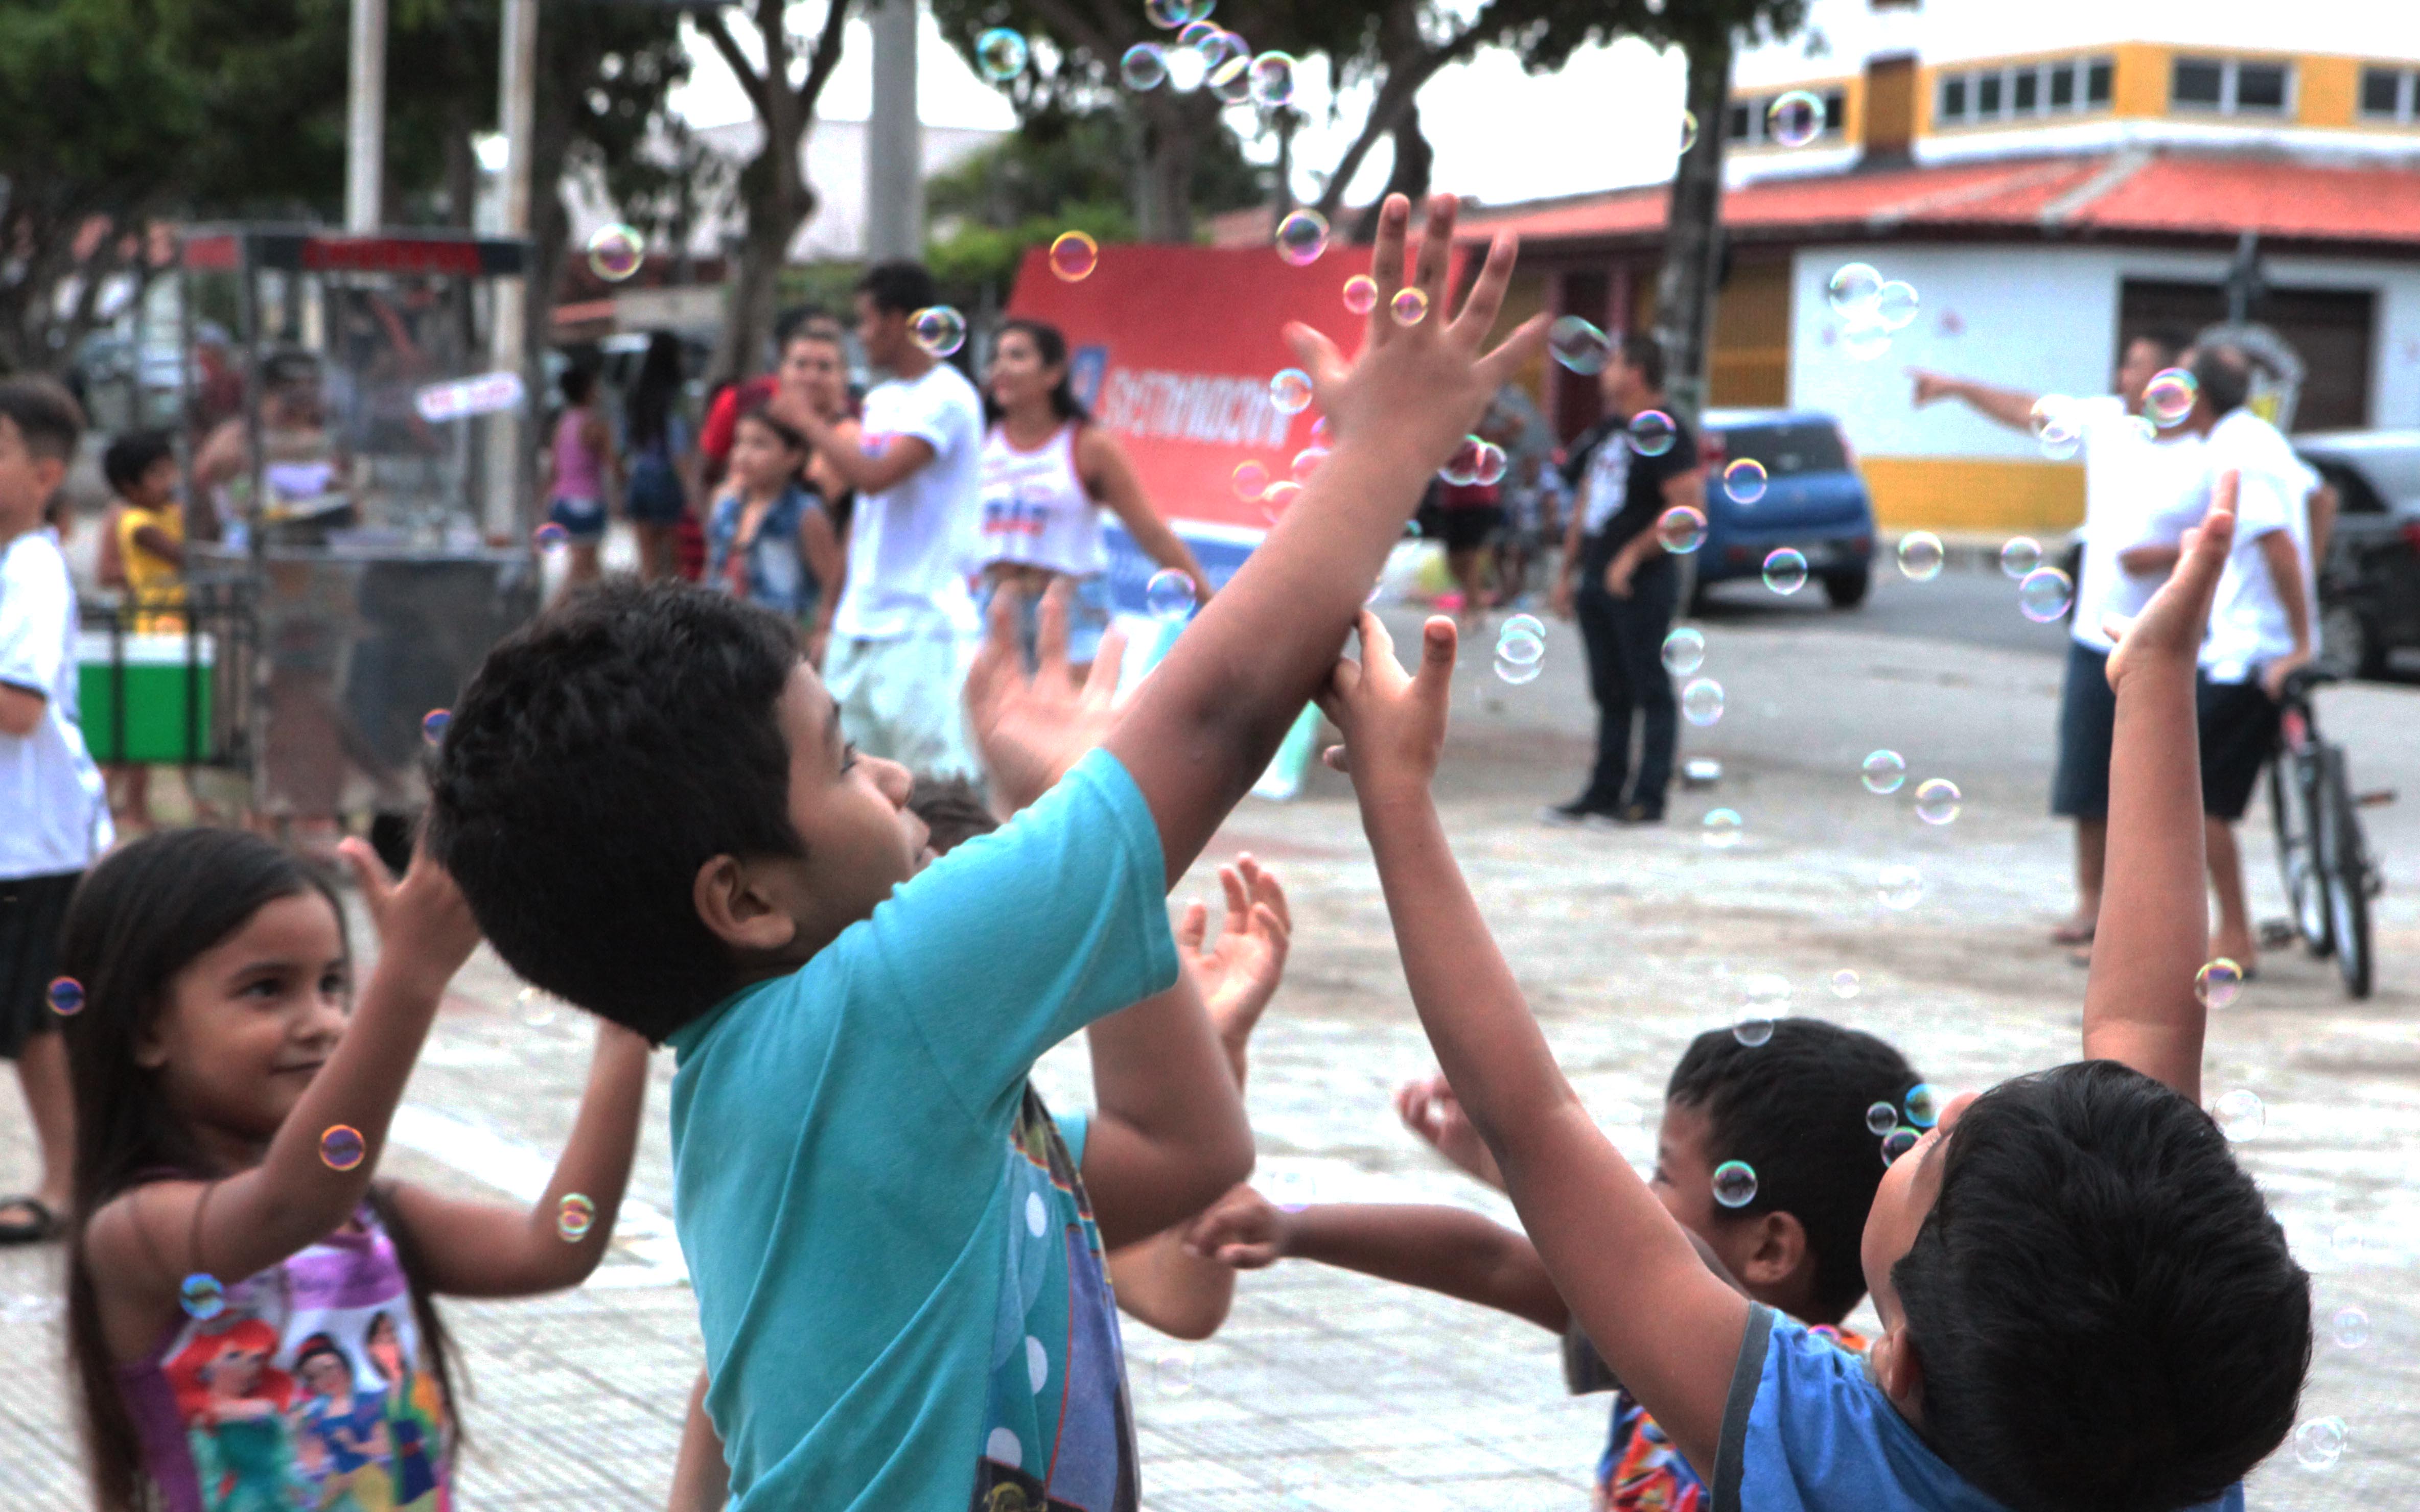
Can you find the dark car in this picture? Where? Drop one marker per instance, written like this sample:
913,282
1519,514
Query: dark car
1814,501
2369,577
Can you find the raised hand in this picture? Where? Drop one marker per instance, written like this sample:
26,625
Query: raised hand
2169,633
1033,726
1243,1230
1239,972
1393,721
1430,1110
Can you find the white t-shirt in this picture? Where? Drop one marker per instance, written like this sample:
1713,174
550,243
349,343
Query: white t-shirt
911,545
53,811
2137,492
2247,622
1035,508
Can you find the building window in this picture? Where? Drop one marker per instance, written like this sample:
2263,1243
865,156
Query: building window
2064,87
1987,95
2387,94
1747,118
2099,76
2231,87
1742,129
1953,97
2199,82
2025,91
2260,86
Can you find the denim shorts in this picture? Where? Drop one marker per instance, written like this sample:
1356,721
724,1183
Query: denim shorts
583,519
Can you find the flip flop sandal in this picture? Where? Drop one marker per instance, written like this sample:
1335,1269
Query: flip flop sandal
43,1227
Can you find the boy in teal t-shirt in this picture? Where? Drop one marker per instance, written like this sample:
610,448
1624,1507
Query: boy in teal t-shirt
652,808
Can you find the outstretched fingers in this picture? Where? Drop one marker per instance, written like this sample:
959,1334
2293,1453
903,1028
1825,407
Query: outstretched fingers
1486,301
1386,264
1437,250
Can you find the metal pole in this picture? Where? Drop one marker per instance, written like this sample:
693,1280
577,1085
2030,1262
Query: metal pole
365,119
895,168
508,341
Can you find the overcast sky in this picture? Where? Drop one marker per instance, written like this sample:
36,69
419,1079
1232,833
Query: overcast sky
1611,117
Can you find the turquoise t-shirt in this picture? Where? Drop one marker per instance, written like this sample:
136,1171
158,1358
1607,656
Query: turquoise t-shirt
897,1274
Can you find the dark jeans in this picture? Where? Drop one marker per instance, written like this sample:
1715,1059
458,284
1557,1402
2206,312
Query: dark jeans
1625,654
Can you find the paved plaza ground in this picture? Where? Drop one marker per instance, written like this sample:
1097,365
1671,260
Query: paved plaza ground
1326,1390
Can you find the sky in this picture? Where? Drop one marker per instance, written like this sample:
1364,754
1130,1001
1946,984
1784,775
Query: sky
1608,118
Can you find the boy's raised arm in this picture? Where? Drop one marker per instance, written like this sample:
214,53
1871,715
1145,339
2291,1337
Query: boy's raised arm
2140,1006
1206,722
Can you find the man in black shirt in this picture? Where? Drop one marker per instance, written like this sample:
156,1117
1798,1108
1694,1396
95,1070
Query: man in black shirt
1624,585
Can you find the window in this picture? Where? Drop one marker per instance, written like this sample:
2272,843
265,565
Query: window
2098,77
2027,87
2062,87
2388,94
1953,97
2198,81
2231,87
2260,86
1746,120
1987,93
1742,126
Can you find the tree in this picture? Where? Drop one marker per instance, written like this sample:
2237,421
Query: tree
773,184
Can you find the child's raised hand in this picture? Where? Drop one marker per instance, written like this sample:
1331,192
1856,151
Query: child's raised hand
1430,1110
370,874
1238,973
1033,726
2169,630
1393,721
425,915
1244,1229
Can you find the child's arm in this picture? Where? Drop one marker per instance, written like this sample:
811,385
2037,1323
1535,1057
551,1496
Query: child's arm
485,1249
1430,1110
2139,1006
143,1244
1204,726
701,1480
1168,1132
1668,1328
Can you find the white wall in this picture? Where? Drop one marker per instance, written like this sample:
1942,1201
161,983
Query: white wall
2042,319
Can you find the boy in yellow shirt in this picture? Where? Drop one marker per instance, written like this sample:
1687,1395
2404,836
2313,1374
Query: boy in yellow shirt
148,526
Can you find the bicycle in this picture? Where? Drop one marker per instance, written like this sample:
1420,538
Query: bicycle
2321,853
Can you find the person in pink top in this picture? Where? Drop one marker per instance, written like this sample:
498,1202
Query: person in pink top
579,466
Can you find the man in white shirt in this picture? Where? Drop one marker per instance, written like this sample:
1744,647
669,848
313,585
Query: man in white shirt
905,629
2135,486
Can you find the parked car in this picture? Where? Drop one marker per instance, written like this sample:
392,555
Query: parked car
1814,501
2369,579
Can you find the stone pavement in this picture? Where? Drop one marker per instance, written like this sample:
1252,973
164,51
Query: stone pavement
1326,1390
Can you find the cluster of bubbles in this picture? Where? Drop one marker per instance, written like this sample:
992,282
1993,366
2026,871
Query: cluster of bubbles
938,329
1475,461
341,1147
434,724
616,251
1202,54
1871,308
1735,1179
573,1217
1521,649
2218,982
1170,596
65,995
1899,1126
1074,256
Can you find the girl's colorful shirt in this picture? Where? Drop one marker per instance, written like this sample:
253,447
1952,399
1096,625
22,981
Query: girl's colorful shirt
307,1390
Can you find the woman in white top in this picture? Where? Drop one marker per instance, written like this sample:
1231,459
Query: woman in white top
1046,472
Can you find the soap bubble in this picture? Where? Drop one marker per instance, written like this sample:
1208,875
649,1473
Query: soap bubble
2217,984
1895,305
1898,1142
1279,497
1168,596
1684,651
1682,529
1844,986
1074,256
1000,54
1461,470
201,1296
616,251
1920,556
1785,570
1743,479
1901,888
1882,771
1923,1106
1173,1372
1881,1118
2045,595
1167,14
2168,398
1226,54
938,330
1855,290
537,1010
1409,305
572,1217
65,995
1145,67
2349,1328
1251,479
1492,463
1577,344
1688,131
1273,79
549,535
2240,1114
1521,649
1937,800
1652,433
1701,700
1360,294
341,1147
1529,624
1795,119
2021,555
1306,462
1302,236
1736,1183
433,723
1753,1032
1516,673
2319,1442
1290,391
1720,830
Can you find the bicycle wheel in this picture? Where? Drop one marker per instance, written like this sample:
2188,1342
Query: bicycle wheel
2345,862
2291,779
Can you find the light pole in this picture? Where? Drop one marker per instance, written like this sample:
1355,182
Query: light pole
894,148
365,119
509,337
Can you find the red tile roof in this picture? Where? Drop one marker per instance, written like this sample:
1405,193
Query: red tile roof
2125,195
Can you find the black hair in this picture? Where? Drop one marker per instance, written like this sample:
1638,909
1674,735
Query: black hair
45,415
654,392
601,755
133,454
903,286
2172,342
1642,351
794,320
762,414
577,384
2224,375
137,919
2108,1318
1051,347
953,810
1794,1109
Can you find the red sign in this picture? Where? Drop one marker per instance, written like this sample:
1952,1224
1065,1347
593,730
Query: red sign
1172,349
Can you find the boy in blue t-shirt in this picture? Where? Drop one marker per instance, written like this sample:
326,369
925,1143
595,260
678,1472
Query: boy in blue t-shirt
2085,1303
647,801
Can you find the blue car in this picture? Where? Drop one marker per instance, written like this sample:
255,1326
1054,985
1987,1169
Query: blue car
1814,501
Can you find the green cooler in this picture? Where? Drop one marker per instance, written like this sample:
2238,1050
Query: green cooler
161,676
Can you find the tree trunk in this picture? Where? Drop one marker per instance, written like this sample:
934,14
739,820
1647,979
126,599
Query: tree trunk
1414,162
1685,304
1171,123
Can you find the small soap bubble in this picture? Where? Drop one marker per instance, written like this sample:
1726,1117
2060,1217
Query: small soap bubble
1684,651
1226,54
1145,67
1895,305
1651,433
2049,411
2349,1328
1735,1179
341,1147
1701,700
548,536
1578,344
1279,497
1251,479
1898,1142
1937,800
1516,673
1795,119
2168,398
1844,984
1855,290
2060,446
1360,294
1492,463
616,251
2045,595
1322,434
1721,832
1753,1032
1167,14
1682,529
1521,649
1529,624
65,995
1232,82
2240,1114
1168,596
1744,479
1461,470
537,1009
2020,556
1882,771
1290,391
1409,305
1920,556
2319,1442
1923,1106
1000,54
938,330
1768,991
1901,888
1306,462
433,725
1688,131
1866,341
1302,236
2218,983
1173,1372
1195,31
572,1217
1785,570
1273,79
1074,256
1881,1118
201,1296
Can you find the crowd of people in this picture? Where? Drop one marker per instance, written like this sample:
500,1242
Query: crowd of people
858,898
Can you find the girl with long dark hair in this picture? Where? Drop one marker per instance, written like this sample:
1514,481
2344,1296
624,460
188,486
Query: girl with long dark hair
228,1235
1047,471
660,457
